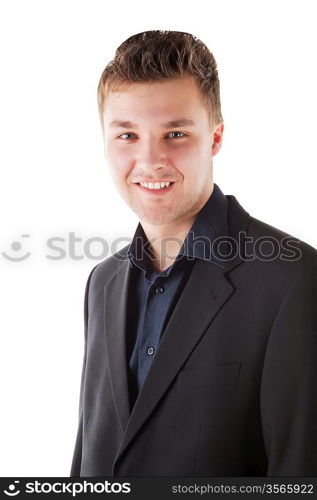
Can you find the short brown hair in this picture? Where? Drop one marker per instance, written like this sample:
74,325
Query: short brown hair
158,55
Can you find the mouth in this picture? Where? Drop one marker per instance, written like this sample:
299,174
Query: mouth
155,187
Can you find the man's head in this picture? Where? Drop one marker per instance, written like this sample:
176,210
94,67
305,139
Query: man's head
159,106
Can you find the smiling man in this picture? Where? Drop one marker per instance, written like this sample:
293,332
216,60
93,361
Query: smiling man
201,335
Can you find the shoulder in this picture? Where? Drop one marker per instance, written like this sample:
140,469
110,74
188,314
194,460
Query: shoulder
294,262
262,233
274,258
287,247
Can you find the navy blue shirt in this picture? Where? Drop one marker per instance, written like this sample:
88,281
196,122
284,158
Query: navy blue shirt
153,295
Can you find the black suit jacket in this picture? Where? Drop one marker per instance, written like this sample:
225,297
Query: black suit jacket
232,390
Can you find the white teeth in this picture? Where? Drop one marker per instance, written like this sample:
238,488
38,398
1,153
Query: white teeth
155,185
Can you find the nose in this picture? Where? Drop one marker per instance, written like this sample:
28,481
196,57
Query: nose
150,156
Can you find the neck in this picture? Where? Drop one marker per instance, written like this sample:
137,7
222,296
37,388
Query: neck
167,239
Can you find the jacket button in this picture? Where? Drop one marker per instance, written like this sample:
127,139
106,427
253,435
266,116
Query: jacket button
159,289
150,351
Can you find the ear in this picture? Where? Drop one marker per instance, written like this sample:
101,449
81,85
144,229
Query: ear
217,138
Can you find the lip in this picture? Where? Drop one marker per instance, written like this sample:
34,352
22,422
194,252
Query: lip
156,192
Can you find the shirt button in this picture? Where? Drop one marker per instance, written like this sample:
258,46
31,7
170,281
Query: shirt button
159,289
150,351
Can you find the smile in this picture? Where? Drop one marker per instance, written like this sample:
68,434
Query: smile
155,187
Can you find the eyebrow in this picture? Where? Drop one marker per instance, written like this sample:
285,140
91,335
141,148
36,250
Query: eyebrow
122,124
180,122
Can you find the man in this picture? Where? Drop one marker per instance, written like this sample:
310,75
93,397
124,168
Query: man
200,336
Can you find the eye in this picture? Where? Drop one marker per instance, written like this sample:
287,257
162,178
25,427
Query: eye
127,136
176,135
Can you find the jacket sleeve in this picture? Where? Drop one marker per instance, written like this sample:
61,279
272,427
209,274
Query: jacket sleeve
76,462
289,383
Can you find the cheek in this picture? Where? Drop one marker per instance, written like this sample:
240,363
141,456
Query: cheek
119,160
191,150
194,162
188,157
182,155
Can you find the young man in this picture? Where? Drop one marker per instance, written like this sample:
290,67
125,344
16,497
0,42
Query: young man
200,336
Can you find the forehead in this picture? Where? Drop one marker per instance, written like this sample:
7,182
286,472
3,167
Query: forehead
155,101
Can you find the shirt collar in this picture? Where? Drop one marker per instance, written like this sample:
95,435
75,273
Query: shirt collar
210,223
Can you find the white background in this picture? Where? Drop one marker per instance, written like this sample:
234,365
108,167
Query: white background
54,180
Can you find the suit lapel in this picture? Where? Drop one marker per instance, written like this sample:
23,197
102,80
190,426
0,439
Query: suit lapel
115,299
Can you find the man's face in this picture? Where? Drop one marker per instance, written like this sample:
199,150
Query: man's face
161,132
